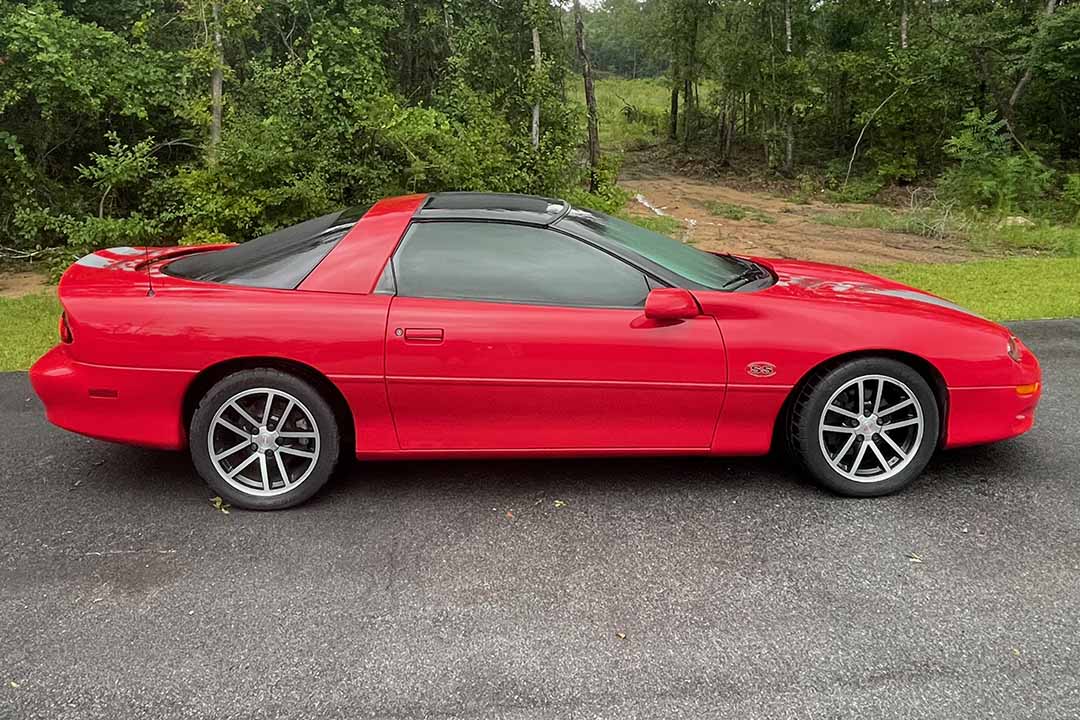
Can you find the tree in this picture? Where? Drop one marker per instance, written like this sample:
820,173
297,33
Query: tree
590,100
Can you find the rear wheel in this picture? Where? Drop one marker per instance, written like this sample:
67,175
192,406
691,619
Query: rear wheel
865,428
264,440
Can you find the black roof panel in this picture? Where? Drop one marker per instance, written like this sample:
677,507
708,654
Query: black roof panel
530,209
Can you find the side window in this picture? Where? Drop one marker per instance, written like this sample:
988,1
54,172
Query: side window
512,263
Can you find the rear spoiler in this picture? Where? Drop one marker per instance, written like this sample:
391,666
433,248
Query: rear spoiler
111,266
137,258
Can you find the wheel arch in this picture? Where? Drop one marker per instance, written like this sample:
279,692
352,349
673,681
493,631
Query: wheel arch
211,375
919,364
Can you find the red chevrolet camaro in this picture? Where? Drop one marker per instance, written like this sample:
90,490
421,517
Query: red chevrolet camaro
468,324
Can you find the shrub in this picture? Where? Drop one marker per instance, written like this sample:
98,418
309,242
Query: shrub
990,174
1071,195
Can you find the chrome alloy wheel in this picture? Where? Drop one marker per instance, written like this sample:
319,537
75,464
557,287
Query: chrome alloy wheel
263,442
871,428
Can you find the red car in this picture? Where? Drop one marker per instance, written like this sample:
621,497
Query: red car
469,325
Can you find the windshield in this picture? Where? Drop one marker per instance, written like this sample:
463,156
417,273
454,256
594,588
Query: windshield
706,269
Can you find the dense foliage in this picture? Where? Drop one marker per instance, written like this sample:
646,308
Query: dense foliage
113,129
870,92
107,121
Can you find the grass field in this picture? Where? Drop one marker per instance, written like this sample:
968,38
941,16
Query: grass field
643,124
27,329
663,224
915,222
985,234
1008,289
738,212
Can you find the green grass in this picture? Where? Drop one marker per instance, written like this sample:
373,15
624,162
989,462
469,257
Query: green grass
738,212
663,224
982,233
1056,239
27,329
913,222
632,113
1007,289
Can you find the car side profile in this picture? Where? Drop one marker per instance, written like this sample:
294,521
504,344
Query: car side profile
479,325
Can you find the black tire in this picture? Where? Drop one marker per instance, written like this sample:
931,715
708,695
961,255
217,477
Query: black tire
309,415
810,405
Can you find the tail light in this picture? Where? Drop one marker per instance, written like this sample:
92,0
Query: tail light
65,329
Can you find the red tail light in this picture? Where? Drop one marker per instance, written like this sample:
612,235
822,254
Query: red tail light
65,329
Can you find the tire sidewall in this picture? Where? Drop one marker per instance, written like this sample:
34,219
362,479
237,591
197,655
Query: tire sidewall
810,447
221,392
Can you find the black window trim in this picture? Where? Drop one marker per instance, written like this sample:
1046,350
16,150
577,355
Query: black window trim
344,222
646,275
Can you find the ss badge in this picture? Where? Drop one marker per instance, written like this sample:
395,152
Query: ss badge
761,369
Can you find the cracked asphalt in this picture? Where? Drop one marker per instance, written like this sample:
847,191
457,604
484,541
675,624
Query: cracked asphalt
668,588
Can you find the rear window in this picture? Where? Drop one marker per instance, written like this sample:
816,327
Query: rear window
280,260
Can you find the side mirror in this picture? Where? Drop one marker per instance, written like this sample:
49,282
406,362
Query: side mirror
671,304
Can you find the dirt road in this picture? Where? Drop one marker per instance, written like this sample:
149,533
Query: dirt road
774,227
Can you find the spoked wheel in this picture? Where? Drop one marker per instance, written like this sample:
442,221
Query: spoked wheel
867,427
264,442
263,439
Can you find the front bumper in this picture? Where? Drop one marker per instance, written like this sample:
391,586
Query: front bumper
983,415
119,404
988,414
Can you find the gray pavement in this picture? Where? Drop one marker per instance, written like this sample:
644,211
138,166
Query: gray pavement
669,588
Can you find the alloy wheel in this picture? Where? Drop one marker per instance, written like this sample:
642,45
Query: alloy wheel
263,442
871,428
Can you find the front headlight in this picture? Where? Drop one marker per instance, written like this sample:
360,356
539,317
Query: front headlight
1014,348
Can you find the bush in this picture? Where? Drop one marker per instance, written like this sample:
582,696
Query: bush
1071,196
991,174
105,124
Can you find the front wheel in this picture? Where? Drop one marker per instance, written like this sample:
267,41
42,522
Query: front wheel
866,428
264,440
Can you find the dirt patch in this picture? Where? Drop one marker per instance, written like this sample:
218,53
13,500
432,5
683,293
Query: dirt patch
774,227
17,284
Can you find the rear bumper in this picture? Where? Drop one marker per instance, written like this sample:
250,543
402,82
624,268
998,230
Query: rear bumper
119,404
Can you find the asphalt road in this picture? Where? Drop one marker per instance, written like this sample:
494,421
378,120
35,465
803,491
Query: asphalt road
681,588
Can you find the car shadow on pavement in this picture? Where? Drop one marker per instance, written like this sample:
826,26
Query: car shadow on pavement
156,474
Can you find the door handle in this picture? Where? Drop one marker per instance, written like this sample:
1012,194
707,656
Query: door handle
424,335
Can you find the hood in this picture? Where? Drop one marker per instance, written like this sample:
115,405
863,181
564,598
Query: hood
820,281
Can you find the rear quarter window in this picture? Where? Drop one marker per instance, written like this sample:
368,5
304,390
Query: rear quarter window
280,260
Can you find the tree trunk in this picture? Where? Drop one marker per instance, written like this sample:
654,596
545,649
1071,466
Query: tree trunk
448,21
409,33
787,26
689,104
538,68
688,109
590,101
216,80
1051,5
789,120
729,139
673,117
789,146
903,24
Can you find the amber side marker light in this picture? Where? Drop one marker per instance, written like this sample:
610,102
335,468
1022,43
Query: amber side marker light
1027,389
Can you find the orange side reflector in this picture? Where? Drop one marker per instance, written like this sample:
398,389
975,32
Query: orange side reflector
1027,389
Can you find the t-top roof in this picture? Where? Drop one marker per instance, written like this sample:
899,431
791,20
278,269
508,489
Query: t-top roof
530,209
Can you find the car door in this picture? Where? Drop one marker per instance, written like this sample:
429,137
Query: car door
507,337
